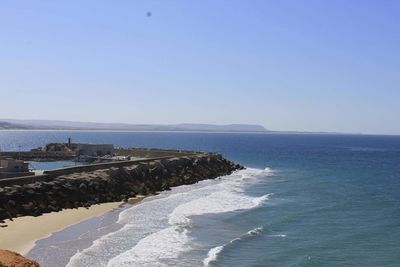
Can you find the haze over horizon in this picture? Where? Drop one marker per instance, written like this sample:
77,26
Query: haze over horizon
286,65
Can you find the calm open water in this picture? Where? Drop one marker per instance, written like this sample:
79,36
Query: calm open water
305,200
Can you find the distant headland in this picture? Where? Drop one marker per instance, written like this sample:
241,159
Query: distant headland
12,124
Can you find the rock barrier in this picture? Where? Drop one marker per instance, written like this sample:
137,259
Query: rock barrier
84,189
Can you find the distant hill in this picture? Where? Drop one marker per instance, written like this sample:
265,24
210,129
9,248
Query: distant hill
11,126
73,125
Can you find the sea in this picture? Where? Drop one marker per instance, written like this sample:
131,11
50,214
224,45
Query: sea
303,200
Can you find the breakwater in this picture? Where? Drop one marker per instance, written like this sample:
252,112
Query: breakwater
69,188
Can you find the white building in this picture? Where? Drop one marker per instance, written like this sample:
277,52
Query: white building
13,165
93,149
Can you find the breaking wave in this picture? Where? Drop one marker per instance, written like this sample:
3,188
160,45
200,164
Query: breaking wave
213,254
157,230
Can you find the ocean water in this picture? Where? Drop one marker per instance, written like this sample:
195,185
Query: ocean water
51,165
304,200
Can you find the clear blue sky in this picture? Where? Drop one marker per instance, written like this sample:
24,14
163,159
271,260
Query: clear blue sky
288,65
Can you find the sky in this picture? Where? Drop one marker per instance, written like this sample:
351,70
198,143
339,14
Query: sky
301,65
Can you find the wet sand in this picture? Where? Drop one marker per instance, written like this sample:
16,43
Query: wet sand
21,234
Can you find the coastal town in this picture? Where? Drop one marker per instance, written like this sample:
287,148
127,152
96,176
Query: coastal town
105,174
15,164
91,160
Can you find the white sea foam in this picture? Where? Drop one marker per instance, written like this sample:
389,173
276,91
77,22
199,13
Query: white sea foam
218,202
154,249
155,232
267,169
260,200
228,198
278,235
255,231
252,174
212,255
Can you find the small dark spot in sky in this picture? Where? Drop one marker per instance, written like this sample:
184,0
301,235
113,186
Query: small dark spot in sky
148,14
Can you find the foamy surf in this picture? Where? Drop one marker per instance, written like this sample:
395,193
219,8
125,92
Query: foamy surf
255,231
212,255
218,202
157,231
154,249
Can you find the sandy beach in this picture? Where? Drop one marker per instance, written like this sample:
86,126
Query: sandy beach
21,234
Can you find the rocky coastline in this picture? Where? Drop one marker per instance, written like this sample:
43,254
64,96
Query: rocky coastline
83,189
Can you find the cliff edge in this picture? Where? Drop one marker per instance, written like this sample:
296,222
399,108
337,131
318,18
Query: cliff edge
9,258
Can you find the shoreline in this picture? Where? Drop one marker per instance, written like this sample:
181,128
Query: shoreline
21,234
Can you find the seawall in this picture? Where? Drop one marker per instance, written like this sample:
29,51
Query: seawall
87,185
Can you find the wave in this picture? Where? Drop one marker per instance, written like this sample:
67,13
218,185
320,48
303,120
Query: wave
253,174
268,170
156,231
277,235
151,250
255,231
261,200
212,255
218,202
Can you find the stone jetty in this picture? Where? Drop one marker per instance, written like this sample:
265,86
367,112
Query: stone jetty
84,186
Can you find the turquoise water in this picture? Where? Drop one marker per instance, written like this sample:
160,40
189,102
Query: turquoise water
306,200
51,165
